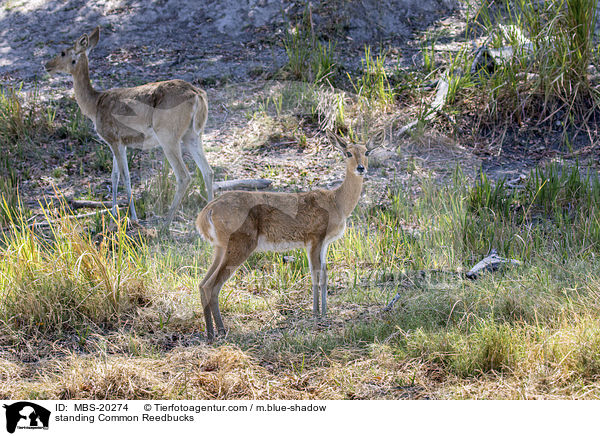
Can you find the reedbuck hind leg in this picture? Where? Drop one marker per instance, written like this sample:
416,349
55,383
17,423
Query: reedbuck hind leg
240,247
172,152
193,145
205,295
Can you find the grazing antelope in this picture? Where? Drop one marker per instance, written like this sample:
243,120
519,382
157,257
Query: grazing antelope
238,223
170,114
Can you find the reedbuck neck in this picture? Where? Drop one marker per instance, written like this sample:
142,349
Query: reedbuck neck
348,193
170,114
85,94
238,223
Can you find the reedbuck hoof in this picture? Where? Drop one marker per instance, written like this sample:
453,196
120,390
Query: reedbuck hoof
322,322
210,339
134,223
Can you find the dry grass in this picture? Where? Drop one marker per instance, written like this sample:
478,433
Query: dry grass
224,372
116,316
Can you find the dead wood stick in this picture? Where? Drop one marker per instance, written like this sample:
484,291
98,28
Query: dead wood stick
92,204
442,89
228,185
77,217
44,224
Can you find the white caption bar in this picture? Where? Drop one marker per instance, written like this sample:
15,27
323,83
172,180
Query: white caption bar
281,417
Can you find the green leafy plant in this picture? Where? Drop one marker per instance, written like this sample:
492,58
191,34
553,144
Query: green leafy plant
309,59
546,78
373,84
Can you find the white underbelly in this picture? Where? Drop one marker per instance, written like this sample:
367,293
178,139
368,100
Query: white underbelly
264,245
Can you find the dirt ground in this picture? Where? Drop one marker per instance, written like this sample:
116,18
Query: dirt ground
232,49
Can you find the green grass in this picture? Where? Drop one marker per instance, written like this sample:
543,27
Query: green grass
428,52
546,79
373,84
537,321
309,59
22,119
9,192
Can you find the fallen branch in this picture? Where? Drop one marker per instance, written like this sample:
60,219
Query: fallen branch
442,89
245,184
44,224
492,262
76,217
92,204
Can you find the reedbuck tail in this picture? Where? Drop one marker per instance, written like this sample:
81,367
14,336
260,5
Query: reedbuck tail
205,225
200,115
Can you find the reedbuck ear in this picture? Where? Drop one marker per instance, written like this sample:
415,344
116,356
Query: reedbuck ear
82,43
375,142
337,141
93,38
86,43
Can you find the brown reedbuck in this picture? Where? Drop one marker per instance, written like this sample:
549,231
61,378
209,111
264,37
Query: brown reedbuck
170,114
238,223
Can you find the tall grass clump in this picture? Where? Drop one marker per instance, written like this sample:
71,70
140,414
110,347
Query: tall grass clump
9,191
22,119
65,280
373,85
556,210
428,52
557,190
546,77
309,60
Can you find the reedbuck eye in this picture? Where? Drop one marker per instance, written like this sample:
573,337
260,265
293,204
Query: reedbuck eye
63,54
73,62
348,154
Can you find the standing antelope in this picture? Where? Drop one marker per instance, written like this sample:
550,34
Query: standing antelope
238,223
170,114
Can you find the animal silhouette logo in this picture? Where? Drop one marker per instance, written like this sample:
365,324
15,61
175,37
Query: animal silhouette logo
26,415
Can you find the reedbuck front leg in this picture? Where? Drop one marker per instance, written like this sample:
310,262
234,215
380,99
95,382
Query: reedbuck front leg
121,168
172,152
114,177
317,262
323,279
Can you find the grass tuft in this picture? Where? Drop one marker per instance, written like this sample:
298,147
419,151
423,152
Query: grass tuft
545,80
65,280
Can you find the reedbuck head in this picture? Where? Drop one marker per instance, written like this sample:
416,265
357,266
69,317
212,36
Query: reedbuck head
355,154
66,61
